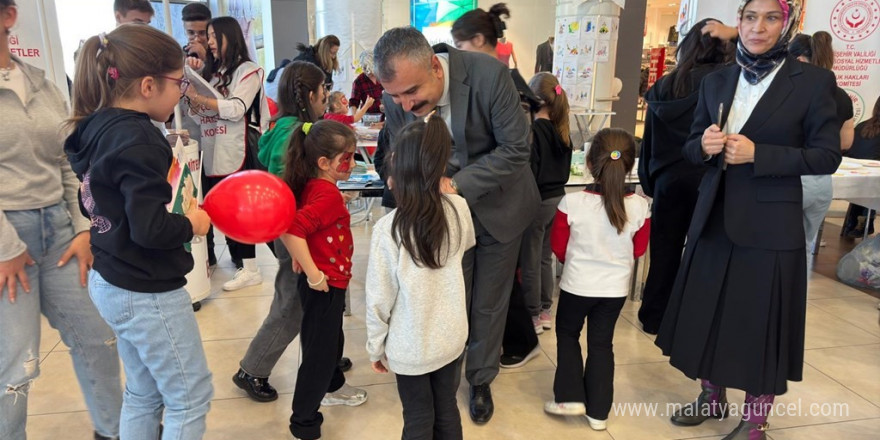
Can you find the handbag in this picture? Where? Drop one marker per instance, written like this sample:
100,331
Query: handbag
252,137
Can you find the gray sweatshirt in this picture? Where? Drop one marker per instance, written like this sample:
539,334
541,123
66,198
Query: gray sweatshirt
417,316
34,170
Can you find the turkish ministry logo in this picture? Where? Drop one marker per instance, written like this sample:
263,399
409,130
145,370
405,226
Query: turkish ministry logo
854,20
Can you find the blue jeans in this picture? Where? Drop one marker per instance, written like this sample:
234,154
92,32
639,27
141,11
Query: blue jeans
165,365
817,200
56,292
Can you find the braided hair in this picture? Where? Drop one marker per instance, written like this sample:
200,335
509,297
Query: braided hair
300,78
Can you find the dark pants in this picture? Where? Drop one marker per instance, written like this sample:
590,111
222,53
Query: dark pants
281,325
675,196
430,410
322,340
519,332
593,383
237,251
489,268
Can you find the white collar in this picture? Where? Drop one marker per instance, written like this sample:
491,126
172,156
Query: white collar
444,63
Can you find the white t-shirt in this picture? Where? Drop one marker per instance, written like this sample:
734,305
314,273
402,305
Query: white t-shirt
598,260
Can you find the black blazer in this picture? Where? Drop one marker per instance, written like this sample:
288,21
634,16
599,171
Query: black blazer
795,130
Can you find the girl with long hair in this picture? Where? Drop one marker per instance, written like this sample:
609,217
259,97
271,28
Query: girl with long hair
598,233
238,106
551,165
302,99
123,80
664,174
320,242
817,50
415,284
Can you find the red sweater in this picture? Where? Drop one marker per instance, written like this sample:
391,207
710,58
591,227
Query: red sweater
324,222
339,117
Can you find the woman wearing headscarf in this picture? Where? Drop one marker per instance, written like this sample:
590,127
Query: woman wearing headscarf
737,311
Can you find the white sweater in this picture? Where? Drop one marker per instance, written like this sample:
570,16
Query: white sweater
417,316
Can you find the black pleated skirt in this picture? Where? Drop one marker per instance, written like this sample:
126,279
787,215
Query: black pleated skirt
736,315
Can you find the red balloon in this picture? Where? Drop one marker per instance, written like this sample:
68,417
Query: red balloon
251,206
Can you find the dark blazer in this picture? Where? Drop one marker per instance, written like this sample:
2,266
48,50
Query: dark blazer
544,57
489,132
795,130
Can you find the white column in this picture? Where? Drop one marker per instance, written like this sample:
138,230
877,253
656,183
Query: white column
357,23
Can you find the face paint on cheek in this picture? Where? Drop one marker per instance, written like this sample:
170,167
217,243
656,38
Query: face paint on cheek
345,163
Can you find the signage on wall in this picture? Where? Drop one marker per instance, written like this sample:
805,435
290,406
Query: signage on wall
580,43
657,65
855,27
438,13
35,40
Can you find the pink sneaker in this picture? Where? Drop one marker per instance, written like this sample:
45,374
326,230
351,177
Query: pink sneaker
546,319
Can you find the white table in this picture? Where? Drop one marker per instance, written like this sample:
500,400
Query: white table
584,120
859,185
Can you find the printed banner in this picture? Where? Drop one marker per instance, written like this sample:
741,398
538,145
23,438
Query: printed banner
854,26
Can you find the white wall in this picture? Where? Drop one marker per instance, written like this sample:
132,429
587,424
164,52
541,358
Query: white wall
290,25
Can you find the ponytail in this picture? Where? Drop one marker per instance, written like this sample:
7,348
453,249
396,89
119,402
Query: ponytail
823,52
547,88
310,142
611,158
111,66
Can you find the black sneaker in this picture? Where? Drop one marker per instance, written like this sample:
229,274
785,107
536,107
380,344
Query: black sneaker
257,388
515,361
344,364
101,437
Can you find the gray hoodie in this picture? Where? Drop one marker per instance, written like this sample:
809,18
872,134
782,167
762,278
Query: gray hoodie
33,167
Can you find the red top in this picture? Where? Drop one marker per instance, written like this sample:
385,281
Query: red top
338,117
503,50
324,222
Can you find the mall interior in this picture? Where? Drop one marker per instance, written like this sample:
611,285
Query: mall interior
606,80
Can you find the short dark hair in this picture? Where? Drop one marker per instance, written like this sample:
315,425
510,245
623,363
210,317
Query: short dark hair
7,3
123,6
405,42
196,12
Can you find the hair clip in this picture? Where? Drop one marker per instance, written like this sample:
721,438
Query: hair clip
113,73
615,155
307,126
558,89
428,116
103,42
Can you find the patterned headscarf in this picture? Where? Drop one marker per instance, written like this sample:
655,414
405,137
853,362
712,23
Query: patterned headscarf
756,67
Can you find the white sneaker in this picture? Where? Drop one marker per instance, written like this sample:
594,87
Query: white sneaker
597,425
565,408
346,395
243,278
536,322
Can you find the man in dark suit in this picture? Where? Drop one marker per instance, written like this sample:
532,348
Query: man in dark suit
489,167
544,56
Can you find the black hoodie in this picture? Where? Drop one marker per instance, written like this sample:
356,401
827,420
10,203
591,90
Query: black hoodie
667,126
551,159
123,162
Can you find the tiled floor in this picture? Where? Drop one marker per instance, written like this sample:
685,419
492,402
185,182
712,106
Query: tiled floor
842,369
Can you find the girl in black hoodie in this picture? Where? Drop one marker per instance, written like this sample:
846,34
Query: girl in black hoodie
663,172
124,79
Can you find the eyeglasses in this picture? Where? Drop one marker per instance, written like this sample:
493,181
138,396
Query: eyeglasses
192,34
182,82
